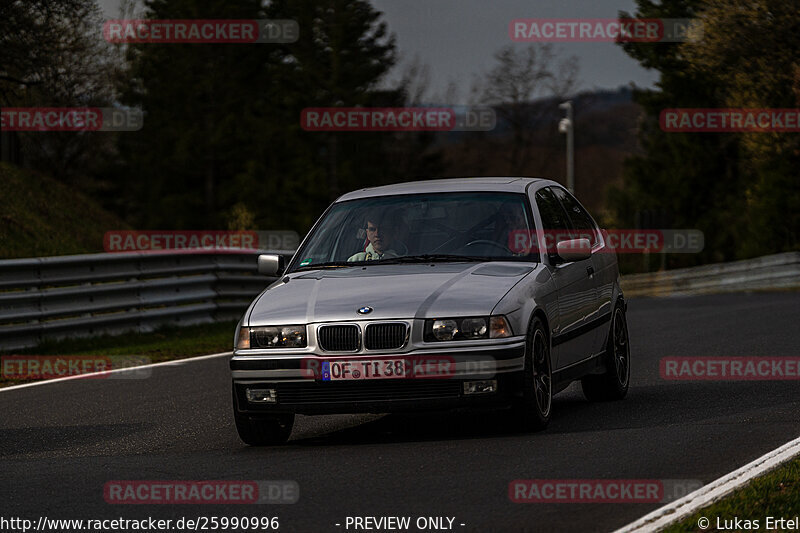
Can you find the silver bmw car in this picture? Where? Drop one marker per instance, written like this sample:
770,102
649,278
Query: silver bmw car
449,293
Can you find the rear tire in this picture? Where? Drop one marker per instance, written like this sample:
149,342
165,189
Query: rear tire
262,430
613,384
533,410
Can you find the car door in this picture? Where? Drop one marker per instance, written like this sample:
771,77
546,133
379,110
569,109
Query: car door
602,276
571,339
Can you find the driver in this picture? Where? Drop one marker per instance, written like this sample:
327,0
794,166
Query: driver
511,228
381,234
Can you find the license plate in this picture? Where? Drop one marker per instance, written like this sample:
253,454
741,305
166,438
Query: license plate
365,369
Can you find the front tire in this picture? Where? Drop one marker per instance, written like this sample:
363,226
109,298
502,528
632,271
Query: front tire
534,408
613,384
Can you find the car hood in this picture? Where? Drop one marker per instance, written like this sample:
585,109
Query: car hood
392,291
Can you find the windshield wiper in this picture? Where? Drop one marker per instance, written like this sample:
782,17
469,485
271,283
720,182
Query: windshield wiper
435,258
423,258
331,264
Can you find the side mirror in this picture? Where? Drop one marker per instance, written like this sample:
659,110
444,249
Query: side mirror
271,265
574,250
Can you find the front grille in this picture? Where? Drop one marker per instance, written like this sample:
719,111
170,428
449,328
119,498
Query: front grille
385,390
339,338
385,336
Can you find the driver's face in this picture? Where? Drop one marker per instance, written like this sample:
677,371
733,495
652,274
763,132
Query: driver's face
380,236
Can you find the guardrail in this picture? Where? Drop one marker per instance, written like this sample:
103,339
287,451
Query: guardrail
85,295
779,271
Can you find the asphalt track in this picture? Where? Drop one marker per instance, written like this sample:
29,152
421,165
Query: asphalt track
60,443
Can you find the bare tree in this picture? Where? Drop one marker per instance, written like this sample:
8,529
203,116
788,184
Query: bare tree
52,55
519,77
415,82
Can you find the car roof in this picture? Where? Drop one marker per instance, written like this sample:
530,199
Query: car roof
477,184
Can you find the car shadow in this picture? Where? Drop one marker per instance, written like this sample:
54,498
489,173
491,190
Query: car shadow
645,407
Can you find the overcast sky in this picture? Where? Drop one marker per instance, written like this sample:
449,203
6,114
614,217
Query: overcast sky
457,38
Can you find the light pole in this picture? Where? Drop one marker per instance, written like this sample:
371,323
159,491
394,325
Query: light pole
566,125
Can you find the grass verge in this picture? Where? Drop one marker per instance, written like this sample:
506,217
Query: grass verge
164,344
40,216
775,494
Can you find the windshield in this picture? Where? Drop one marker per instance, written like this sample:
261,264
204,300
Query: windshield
422,227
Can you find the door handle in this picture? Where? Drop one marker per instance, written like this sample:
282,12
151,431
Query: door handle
590,271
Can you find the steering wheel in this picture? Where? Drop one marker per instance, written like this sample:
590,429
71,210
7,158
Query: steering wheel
463,235
490,243
403,249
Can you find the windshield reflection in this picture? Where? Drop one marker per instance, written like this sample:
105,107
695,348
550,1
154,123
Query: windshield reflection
442,227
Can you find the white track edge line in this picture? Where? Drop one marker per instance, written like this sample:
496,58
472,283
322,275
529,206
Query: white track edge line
654,521
173,362
707,494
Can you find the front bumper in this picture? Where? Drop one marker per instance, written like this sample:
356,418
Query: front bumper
299,390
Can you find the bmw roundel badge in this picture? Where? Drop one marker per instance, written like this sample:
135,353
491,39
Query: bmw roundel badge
365,310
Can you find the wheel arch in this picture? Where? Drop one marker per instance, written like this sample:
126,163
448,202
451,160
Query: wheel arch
539,312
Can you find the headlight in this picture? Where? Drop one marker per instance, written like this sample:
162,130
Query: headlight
444,330
272,337
459,329
474,328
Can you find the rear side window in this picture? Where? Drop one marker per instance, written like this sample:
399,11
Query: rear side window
581,222
555,222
